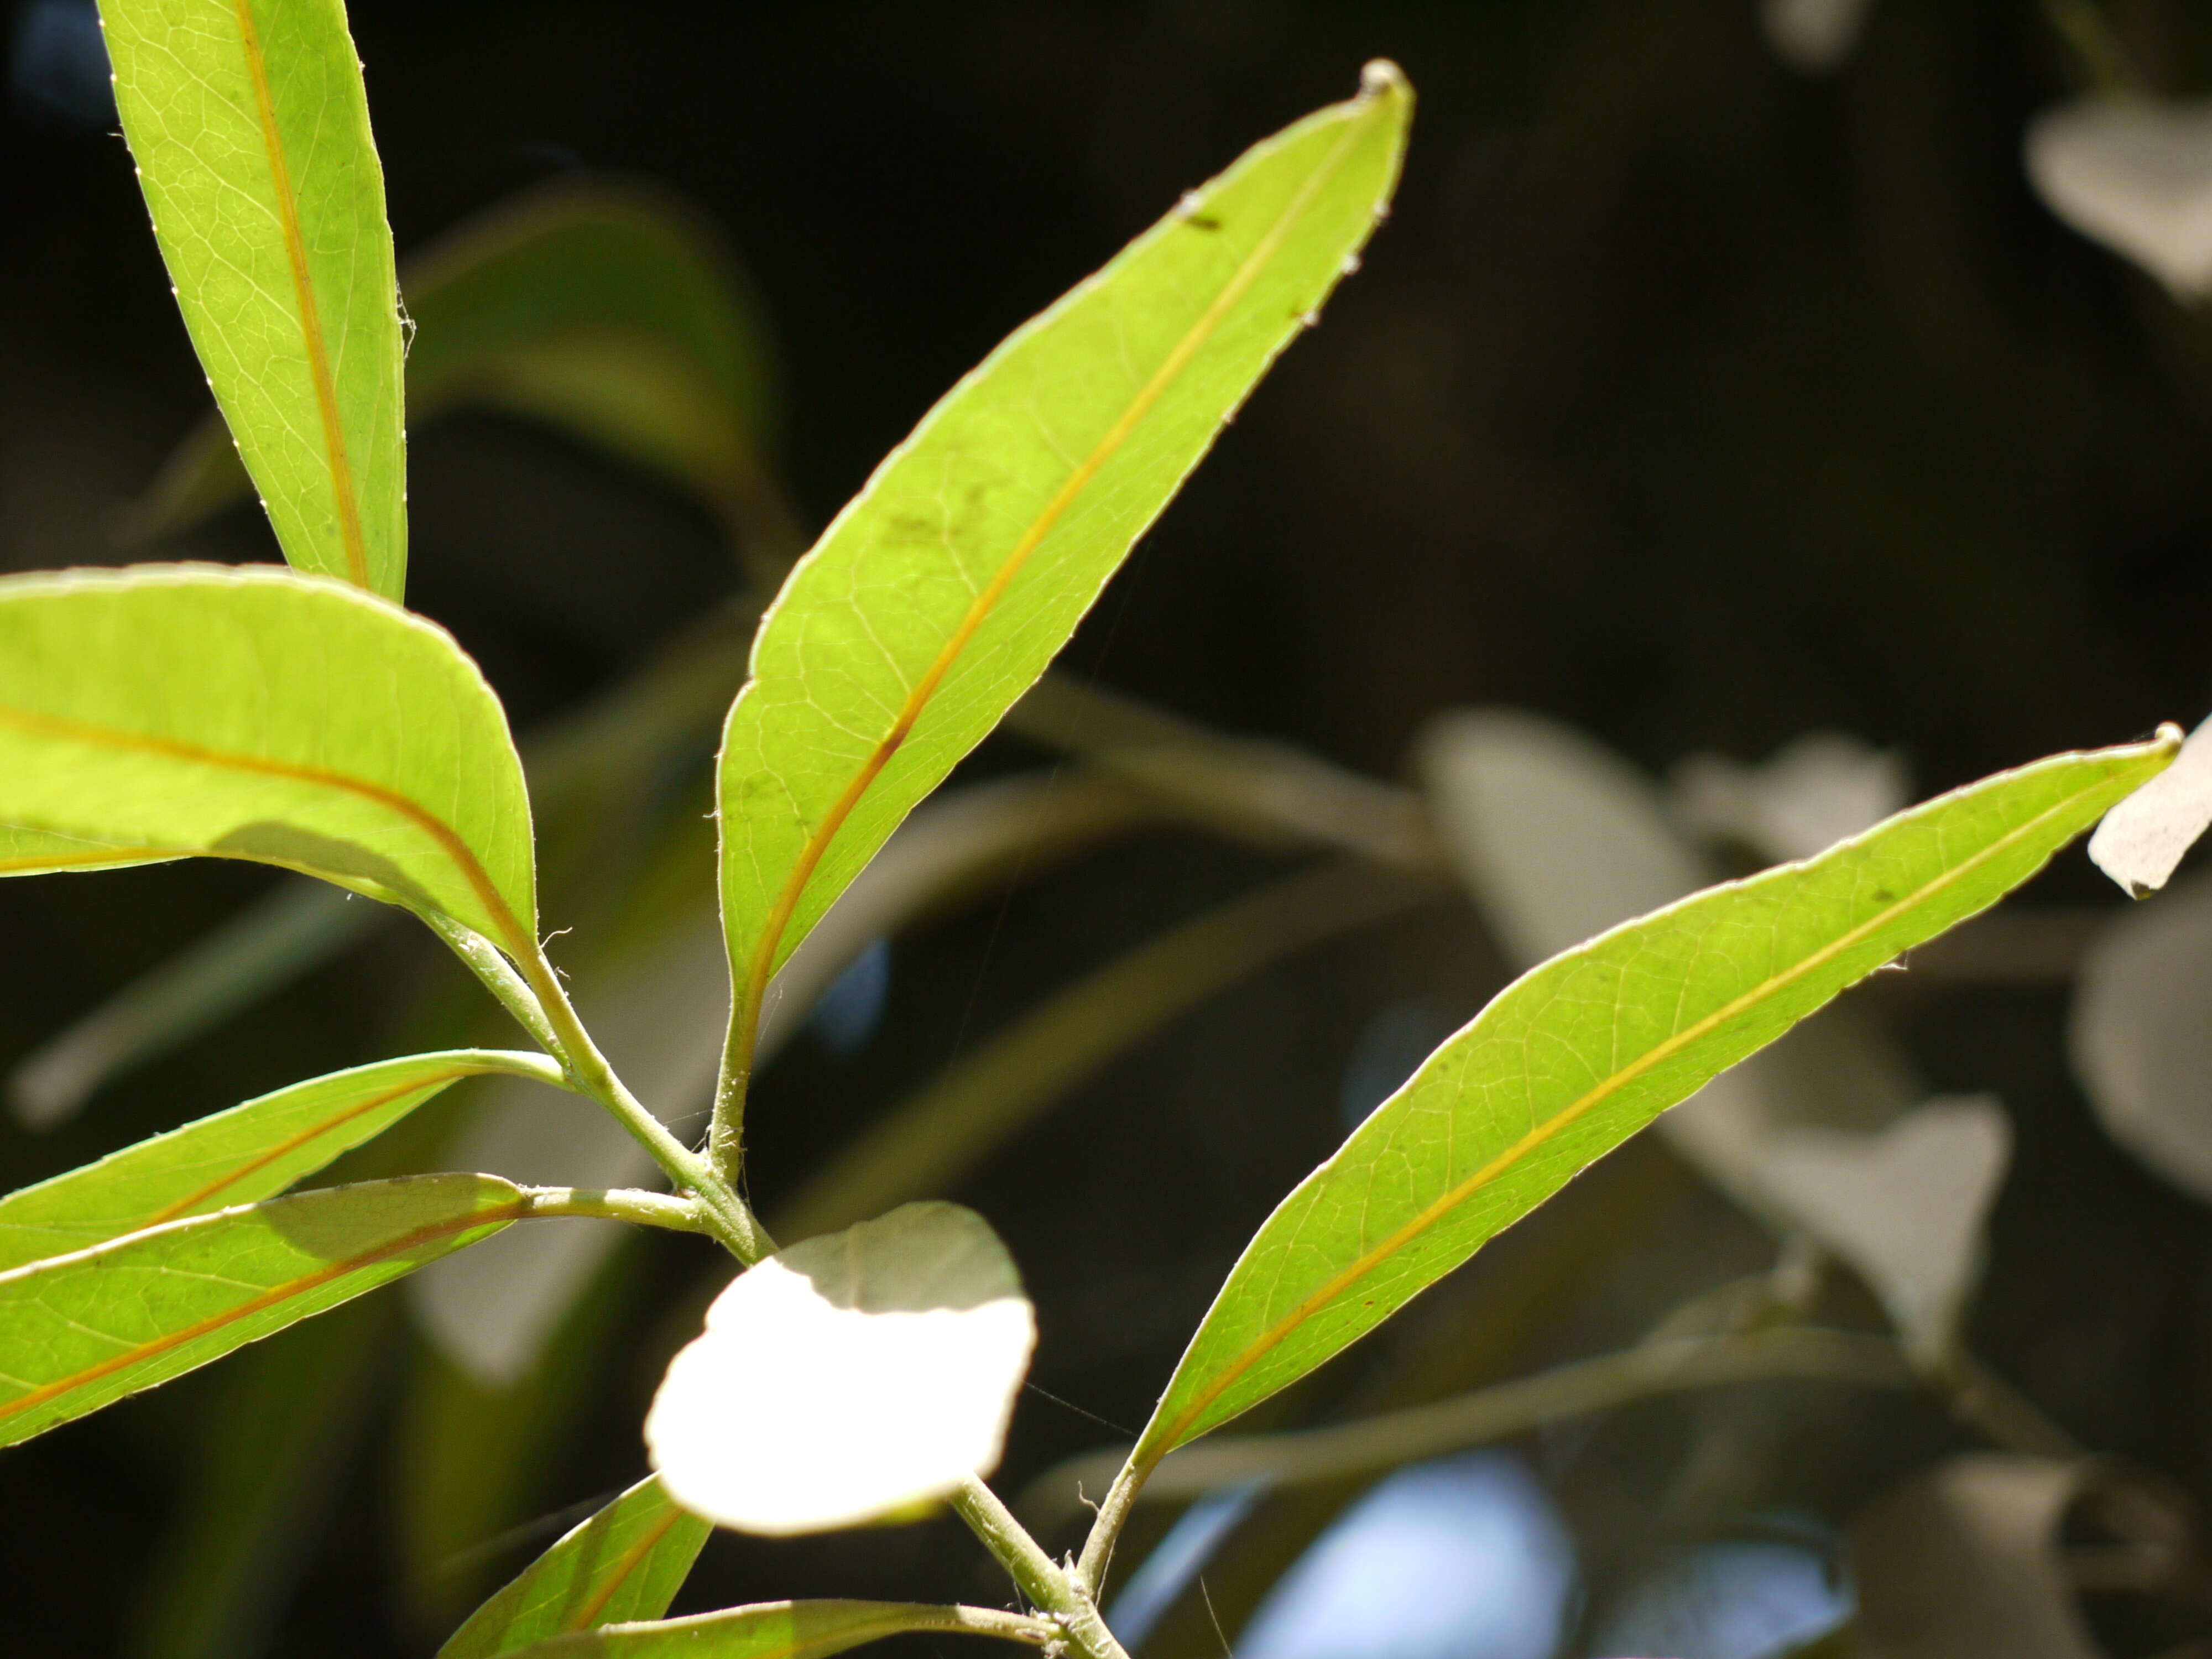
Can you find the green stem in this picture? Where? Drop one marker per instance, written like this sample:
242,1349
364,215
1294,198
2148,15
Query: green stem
681,1215
725,1213
1043,1580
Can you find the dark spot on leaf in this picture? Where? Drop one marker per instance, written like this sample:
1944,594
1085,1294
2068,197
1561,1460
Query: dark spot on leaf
1883,895
1203,221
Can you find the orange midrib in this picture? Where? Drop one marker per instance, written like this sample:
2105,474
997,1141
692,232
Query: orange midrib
1173,1432
315,1132
517,940
763,958
589,1616
38,1396
311,324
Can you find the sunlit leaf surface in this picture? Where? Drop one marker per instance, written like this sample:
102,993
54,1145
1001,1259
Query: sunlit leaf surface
625,1563
942,591
252,1151
326,730
771,1630
82,1331
249,127
1581,1053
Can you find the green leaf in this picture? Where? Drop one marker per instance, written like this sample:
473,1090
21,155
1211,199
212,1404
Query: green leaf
249,127
1581,1053
848,1378
610,312
326,732
82,1331
782,1630
942,591
626,1563
249,1152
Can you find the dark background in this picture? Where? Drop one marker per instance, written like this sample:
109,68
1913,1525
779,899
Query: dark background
1689,398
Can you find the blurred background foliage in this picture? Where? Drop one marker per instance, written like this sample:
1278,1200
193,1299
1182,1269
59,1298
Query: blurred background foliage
1712,384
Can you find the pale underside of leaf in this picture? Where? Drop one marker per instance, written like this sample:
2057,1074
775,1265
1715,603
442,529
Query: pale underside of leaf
941,591
847,1378
1586,1049
81,1331
249,127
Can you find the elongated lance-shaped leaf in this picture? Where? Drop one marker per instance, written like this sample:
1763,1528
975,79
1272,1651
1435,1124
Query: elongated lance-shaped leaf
786,1630
513,306
168,710
82,1331
249,1152
249,123
939,595
625,1563
1577,1055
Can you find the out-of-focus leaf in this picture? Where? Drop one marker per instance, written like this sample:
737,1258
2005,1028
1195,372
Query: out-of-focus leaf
2141,1034
327,731
922,1147
2143,838
1483,1416
252,1151
626,1563
847,1378
1904,1206
1253,787
1815,791
250,128
2134,174
82,1331
1580,1053
784,1630
268,1467
1814,37
294,927
939,595
1963,1562
607,310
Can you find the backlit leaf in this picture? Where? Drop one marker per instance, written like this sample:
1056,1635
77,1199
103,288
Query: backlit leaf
780,1629
847,1378
625,1563
326,730
250,126
82,1331
249,1152
608,311
939,594
1581,1053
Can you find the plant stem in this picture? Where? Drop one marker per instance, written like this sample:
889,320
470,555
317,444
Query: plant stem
1043,1580
1979,1397
724,1212
681,1215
